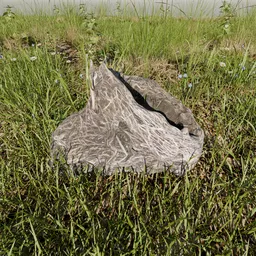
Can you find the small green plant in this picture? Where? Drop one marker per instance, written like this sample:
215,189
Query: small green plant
119,11
165,9
9,14
89,23
228,13
56,10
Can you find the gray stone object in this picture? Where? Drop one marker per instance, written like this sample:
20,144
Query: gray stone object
129,124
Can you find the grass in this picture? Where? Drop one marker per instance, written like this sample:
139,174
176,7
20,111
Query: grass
45,211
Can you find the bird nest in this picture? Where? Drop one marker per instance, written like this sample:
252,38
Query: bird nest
129,124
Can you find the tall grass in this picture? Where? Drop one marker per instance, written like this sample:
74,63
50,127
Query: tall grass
51,211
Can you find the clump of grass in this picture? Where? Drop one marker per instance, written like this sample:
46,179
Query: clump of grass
51,211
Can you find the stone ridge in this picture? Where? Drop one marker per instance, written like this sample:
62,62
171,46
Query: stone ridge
129,123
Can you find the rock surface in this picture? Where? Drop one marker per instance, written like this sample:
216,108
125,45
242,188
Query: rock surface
129,123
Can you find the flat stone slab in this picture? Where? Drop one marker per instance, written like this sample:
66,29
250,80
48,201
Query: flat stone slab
129,124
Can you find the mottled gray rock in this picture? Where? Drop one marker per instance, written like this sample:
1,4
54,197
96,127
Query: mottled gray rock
129,123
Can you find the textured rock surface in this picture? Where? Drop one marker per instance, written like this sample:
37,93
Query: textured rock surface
129,123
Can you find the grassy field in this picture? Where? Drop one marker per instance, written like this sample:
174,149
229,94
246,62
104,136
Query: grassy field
209,211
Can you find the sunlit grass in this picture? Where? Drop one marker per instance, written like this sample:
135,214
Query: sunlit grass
51,211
